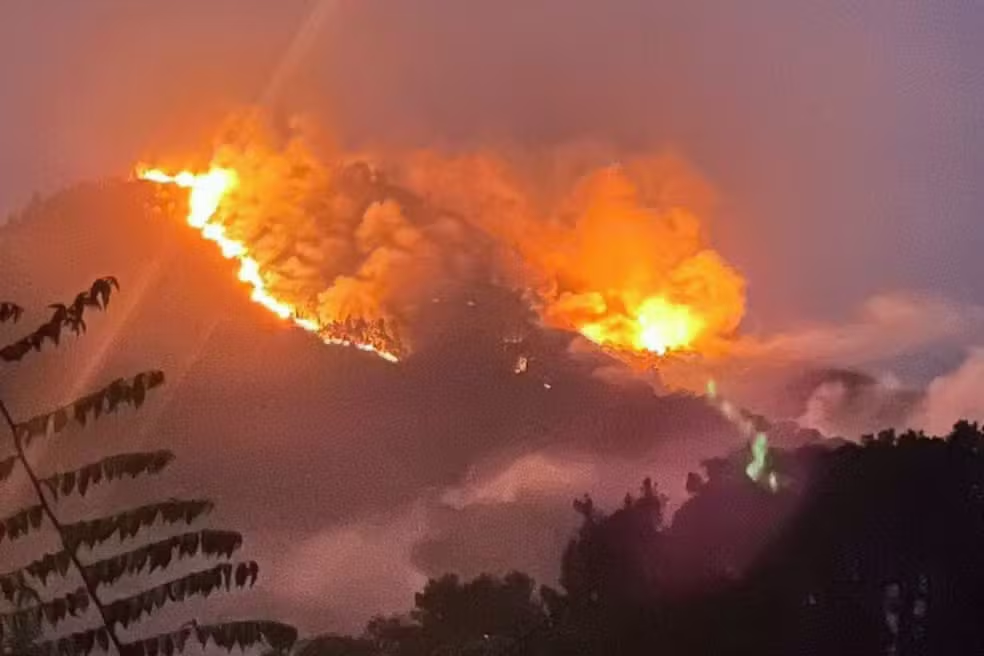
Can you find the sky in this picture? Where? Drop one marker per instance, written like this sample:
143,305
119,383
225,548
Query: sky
845,139
850,127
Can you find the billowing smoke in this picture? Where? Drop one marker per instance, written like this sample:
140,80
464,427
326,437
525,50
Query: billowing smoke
332,238
955,395
849,403
617,253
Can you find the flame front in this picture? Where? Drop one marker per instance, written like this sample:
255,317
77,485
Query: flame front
206,193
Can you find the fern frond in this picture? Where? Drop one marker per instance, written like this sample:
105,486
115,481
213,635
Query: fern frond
53,611
108,469
70,317
7,467
75,644
128,523
14,587
40,569
21,523
227,635
160,554
131,609
10,312
109,399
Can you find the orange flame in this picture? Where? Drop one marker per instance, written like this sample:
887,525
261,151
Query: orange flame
656,325
622,257
207,191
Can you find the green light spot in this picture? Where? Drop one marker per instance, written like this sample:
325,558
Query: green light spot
760,450
712,389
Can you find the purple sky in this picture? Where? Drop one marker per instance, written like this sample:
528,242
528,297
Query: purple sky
853,128
845,137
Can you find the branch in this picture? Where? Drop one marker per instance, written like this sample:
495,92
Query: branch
53,518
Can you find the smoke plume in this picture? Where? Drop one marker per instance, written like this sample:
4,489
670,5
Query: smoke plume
618,253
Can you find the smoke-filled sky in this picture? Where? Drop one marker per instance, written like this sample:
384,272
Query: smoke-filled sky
843,140
851,127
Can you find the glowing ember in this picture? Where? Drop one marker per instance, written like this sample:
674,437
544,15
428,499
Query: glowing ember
207,191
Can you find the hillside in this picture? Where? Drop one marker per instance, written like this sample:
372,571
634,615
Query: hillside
262,416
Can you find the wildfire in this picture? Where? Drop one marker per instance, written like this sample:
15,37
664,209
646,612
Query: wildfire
206,193
656,325
619,254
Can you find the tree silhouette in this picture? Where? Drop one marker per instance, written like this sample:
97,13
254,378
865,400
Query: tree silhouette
874,547
487,615
869,548
332,645
888,539
89,580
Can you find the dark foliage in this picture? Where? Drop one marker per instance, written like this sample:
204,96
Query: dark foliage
69,316
869,548
36,616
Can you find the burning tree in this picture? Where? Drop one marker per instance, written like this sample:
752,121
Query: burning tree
35,612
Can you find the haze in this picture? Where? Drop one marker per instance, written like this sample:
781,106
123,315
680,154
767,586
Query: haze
845,139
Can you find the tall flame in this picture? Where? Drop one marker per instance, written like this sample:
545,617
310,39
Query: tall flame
206,193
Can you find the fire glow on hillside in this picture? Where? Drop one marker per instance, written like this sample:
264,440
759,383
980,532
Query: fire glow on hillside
206,192
355,253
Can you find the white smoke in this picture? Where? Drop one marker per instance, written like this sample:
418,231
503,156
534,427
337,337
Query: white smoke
956,395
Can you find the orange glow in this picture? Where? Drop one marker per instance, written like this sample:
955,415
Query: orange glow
656,325
633,277
619,254
206,193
